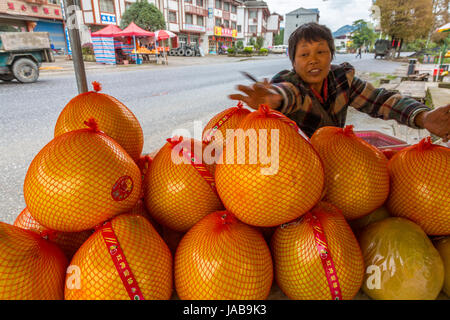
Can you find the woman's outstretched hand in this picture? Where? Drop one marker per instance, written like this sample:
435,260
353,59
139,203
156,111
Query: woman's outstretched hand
257,94
436,122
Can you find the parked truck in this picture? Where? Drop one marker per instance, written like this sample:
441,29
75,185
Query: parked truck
383,48
22,53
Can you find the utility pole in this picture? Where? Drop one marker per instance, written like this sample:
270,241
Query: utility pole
71,9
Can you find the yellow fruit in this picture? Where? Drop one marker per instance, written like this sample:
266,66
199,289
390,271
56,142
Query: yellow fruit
377,215
443,247
401,262
112,116
148,257
299,267
221,258
79,180
420,176
356,174
31,268
176,195
68,242
271,187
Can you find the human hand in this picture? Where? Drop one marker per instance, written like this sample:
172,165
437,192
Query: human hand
436,122
257,94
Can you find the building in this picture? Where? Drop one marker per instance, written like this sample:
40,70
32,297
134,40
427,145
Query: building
296,18
222,24
34,15
273,28
252,21
343,38
209,24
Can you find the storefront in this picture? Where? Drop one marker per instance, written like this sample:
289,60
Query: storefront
223,38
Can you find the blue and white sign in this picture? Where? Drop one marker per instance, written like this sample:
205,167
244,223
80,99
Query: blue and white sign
210,12
69,49
108,18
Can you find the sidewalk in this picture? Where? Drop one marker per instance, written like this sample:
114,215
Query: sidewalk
63,65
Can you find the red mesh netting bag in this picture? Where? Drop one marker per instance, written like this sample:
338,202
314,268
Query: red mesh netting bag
270,173
221,258
318,256
31,268
68,242
175,192
225,120
112,116
356,174
79,180
92,274
420,186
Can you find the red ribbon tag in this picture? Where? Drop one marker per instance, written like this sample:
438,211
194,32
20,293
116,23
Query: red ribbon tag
325,257
120,262
201,169
221,122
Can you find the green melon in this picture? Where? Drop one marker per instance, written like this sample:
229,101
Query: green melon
443,246
401,261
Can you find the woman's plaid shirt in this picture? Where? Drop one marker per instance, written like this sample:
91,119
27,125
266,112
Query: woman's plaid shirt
344,90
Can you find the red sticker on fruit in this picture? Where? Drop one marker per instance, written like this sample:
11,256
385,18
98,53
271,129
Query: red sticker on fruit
122,188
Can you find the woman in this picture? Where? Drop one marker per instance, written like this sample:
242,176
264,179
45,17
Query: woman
317,94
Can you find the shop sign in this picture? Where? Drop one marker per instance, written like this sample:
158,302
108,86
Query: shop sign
108,18
210,13
224,32
193,27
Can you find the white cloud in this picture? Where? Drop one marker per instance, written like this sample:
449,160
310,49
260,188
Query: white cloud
333,13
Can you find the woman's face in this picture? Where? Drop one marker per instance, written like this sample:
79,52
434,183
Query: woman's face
312,62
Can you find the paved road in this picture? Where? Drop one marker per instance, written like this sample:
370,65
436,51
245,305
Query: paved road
162,100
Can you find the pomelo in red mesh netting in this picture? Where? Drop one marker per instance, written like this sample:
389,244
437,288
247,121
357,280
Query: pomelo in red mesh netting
68,242
92,274
221,258
112,116
318,257
270,173
81,179
223,121
31,268
401,261
175,192
420,187
356,174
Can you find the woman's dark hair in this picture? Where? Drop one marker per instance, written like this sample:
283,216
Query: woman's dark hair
310,32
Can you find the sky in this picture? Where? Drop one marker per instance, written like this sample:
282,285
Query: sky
333,13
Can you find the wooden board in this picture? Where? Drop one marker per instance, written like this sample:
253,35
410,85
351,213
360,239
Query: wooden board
413,89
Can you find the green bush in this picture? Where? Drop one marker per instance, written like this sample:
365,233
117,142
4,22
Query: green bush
87,49
248,50
231,50
263,51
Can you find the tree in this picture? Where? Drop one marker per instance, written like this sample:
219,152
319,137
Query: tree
259,43
441,17
406,20
251,42
278,39
363,35
145,15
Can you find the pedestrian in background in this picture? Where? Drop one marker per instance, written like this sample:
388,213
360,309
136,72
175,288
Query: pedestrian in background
359,53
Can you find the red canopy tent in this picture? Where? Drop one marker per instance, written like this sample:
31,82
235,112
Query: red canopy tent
109,31
134,31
